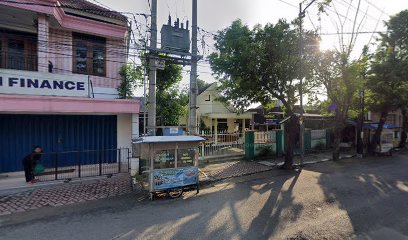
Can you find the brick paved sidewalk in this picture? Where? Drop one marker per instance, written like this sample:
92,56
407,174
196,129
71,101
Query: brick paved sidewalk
219,171
67,193
231,169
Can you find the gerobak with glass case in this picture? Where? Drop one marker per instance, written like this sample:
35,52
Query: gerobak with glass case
171,163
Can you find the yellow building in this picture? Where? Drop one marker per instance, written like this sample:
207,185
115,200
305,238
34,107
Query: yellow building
216,116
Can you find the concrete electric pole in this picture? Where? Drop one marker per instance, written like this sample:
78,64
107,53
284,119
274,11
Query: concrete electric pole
152,72
192,123
302,14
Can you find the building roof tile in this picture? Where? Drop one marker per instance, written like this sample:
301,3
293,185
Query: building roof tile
88,7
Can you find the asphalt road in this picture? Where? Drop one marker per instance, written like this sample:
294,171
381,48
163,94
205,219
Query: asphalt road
361,199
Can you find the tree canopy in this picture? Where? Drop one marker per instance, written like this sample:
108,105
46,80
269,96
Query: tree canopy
132,77
388,76
171,100
263,64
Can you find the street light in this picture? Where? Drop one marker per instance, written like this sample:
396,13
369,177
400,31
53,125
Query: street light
302,14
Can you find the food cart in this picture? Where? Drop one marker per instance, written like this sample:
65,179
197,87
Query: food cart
386,143
171,163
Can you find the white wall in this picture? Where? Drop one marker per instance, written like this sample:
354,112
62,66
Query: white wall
124,131
107,93
211,106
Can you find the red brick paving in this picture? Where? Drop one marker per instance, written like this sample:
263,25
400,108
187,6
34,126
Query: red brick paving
69,193
236,169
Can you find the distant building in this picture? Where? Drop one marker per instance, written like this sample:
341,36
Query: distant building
216,116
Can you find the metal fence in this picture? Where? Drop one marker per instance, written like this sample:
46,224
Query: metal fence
221,144
222,137
318,134
88,163
265,137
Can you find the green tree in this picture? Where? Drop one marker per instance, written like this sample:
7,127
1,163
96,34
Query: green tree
202,85
341,79
171,106
132,77
262,65
388,79
340,75
171,101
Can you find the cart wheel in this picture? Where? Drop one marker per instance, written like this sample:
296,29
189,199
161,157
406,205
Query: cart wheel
175,192
198,188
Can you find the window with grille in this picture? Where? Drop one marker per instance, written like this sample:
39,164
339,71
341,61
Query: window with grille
18,50
89,55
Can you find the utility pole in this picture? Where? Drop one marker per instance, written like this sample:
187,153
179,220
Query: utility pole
152,72
192,123
302,14
360,137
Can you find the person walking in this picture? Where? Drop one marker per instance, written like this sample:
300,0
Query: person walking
29,163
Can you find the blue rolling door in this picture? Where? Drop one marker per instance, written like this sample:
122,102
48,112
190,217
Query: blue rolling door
56,134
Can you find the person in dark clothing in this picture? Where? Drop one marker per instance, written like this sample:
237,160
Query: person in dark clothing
29,163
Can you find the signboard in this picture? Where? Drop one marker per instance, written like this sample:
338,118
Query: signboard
160,64
186,157
43,84
176,177
164,159
174,130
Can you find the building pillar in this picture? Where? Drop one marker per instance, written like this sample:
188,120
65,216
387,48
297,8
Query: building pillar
135,126
43,43
134,162
211,125
216,130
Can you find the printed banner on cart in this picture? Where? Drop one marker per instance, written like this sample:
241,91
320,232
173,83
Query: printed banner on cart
43,84
178,177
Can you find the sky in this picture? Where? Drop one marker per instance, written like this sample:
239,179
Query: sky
214,15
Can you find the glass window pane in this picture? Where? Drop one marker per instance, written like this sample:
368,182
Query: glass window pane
164,159
81,58
1,54
185,157
98,60
15,59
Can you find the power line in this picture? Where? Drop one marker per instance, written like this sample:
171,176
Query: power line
349,33
378,8
103,5
61,37
287,3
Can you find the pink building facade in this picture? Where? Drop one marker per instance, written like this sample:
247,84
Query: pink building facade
60,60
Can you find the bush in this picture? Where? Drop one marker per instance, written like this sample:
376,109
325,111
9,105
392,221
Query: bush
265,150
320,146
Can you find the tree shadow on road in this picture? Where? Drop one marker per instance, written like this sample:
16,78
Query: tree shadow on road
373,192
277,196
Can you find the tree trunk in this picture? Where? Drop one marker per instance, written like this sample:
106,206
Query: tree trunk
291,132
377,135
336,143
359,130
337,134
404,130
